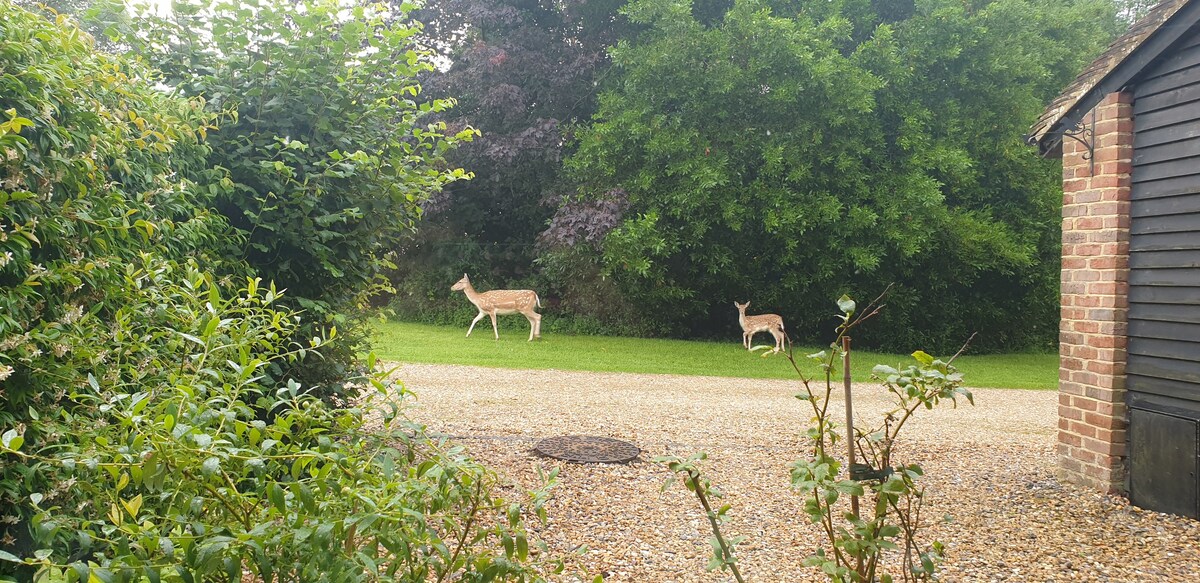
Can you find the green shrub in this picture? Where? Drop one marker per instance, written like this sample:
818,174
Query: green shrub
162,467
140,436
328,143
96,168
881,540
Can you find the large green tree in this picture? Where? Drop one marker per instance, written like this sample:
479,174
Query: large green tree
524,74
330,144
789,151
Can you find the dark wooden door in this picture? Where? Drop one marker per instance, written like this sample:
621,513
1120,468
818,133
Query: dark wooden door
1163,367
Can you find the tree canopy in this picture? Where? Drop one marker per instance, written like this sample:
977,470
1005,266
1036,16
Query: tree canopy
331,146
790,151
523,73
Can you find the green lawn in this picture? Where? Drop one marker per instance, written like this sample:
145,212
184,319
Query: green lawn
445,345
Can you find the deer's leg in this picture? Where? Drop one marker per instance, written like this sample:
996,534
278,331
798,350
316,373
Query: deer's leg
747,338
535,323
495,330
778,334
473,322
532,324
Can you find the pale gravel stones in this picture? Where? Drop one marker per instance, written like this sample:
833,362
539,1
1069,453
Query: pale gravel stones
992,495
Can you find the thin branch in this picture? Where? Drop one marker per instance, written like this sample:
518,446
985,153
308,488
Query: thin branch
716,528
871,309
466,531
963,349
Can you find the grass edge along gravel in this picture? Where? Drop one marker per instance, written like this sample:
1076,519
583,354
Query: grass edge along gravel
427,344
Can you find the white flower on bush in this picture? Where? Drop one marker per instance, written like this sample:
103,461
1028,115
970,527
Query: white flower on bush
72,315
6,258
5,371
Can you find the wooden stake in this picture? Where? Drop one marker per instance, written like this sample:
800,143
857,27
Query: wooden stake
849,415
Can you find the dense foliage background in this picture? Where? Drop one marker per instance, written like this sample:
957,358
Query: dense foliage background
153,426
778,151
528,72
327,138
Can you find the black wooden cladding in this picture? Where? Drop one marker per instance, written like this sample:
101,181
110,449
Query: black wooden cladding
1163,352
1162,242
1168,116
1175,80
1166,368
1164,224
1167,152
1169,313
1190,40
1185,332
1182,60
1164,246
1152,390
1176,296
1189,351
1169,277
1170,98
1168,169
1170,205
1187,258
1164,135
1161,188
1164,462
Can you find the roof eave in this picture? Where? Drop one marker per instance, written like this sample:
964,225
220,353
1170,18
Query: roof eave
1165,34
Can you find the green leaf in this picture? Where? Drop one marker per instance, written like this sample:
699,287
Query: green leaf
846,305
11,440
883,371
893,485
923,358
133,506
275,494
82,570
849,487
522,548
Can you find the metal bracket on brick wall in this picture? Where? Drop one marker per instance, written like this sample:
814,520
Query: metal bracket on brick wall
1085,134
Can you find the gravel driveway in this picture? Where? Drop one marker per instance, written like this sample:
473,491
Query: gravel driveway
991,490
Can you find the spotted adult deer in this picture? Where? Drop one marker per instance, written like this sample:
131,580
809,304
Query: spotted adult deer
502,301
752,325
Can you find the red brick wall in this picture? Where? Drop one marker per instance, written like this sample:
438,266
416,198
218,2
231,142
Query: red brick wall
1095,286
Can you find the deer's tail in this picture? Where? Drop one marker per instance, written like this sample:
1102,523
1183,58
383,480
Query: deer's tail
537,299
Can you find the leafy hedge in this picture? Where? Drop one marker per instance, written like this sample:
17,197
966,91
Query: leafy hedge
783,151
97,169
789,151
140,437
328,141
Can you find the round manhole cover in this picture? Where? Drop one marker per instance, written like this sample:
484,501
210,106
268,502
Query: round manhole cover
588,449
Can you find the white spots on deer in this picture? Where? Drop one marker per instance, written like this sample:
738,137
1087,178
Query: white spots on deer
502,301
752,325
